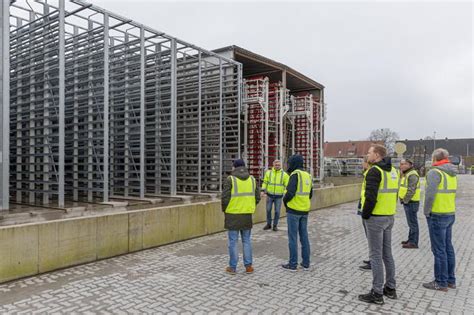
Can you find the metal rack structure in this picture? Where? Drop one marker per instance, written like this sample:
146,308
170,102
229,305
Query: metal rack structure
102,106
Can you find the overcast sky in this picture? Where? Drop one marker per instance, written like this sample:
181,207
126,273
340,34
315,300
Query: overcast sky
407,66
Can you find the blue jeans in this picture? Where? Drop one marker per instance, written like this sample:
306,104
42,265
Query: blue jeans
233,238
270,202
411,211
298,224
440,229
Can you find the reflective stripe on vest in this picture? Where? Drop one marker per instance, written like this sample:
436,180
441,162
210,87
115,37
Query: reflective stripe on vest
445,198
404,186
387,194
242,199
301,201
276,188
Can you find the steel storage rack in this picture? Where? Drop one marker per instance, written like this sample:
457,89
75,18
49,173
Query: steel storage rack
102,106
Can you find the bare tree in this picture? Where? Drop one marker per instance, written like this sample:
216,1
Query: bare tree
386,135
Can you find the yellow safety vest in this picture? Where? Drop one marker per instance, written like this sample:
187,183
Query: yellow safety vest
274,182
445,198
404,186
301,201
242,199
387,195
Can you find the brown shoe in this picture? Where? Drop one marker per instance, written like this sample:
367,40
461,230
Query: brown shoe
409,245
451,286
249,269
404,242
230,270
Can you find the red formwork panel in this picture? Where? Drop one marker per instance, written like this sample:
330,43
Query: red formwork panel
304,102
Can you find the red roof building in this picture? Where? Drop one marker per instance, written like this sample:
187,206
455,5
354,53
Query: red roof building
347,149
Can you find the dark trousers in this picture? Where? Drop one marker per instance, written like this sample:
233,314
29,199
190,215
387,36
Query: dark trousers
411,213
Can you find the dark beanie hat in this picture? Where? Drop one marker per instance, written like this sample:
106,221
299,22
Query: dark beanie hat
239,163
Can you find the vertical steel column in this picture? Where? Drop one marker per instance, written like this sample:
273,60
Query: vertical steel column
142,112
321,134
199,122
239,105
220,125
106,107
5,103
280,127
173,117
311,136
62,90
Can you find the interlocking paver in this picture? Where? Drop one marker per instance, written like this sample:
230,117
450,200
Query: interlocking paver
189,277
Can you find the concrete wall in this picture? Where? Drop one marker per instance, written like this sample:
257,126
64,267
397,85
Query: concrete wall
34,248
343,180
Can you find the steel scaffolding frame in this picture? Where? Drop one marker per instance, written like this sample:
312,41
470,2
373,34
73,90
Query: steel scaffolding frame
102,106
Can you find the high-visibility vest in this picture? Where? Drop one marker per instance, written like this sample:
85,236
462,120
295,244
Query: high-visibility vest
242,200
274,182
387,194
404,186
301,201
445,198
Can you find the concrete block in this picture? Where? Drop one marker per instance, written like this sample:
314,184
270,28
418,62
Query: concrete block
112,235
135,231
214,217
160,226
18,252
191,222
67,243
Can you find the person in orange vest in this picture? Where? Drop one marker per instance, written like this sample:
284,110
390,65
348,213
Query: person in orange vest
240,196
439,209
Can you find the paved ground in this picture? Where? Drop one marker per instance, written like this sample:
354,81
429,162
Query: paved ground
189,277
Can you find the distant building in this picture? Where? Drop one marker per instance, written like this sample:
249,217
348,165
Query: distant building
348,149
457,148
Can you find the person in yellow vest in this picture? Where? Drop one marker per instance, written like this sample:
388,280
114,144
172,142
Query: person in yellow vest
274,183
409,195
240,196
297,200
365,168
439,209
379,204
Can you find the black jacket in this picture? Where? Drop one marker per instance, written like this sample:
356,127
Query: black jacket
372,182
294,163
237,221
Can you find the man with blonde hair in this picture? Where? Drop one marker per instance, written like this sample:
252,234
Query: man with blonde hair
379,204
439,209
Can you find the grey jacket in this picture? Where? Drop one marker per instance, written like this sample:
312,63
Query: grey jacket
433,179
237,221
412,182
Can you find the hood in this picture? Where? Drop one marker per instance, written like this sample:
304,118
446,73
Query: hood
407,171
295,162
241,172
385,164
448,168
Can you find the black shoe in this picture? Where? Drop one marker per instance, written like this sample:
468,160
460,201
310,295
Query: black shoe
372,297
365,267
275,228
404,242
367,262
390,293
267,227
288,267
